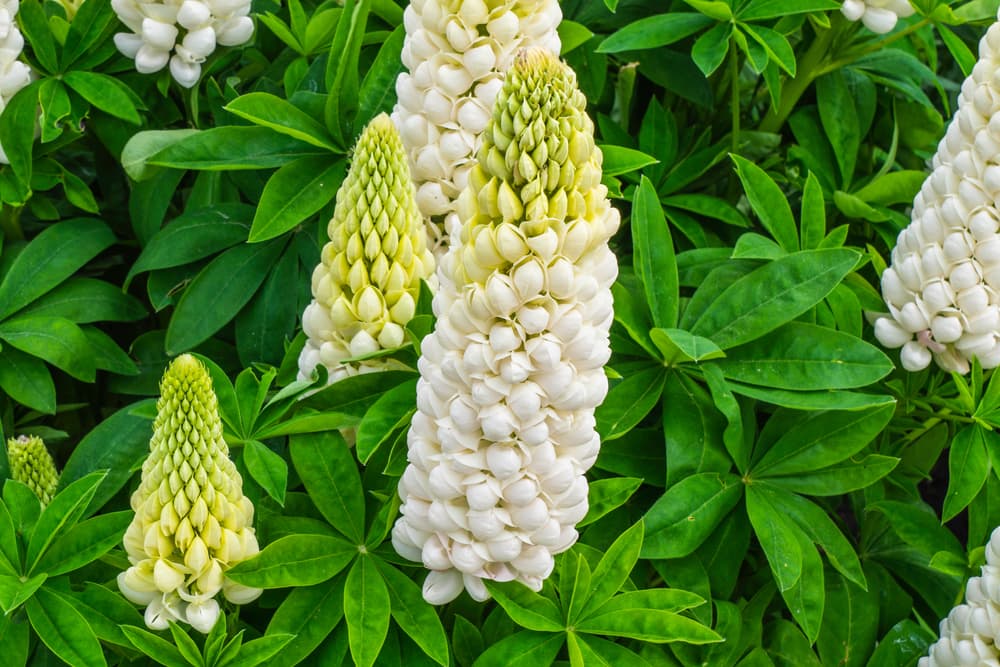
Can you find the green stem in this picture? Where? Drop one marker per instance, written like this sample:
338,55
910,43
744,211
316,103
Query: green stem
853,55
10,222
734,86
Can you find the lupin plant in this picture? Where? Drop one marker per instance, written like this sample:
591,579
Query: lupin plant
181,32
511,375
455,53
32,465
192,521
366,285
878,15
970,634
941,286
15,74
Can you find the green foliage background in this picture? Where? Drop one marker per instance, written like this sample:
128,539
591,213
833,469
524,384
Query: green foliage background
771,489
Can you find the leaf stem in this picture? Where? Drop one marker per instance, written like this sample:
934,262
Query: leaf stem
734,85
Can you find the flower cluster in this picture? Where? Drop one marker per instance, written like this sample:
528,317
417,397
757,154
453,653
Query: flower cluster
455,54
14,73
157,32
31,464
941,288
970,635
192,521
365,288
511,375
878,15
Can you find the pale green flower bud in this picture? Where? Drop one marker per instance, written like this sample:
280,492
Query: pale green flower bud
31,464
942,283
510,377
456,54
365,289
192,521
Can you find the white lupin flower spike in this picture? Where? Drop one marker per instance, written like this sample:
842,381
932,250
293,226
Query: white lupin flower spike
877,15
455,53
365,289
970,634
182,33
942,285
511,375
192,521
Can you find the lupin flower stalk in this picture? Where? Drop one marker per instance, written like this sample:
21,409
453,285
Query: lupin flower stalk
182,33
455,53
511,375
366,286
14,73
192,521
878,15
31,464
941,287
970,634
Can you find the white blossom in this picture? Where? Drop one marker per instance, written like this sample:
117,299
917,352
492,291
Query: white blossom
511,375
455,53
15,74
970,634
941,287
181,33
878,15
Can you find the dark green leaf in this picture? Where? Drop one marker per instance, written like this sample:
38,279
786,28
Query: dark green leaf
330,475
778,536
309,613
64,629
83,543
281,116
54,339
606,495
654,253
527,608
688,513
654,31
267,468
105,92
629,401
27,380
294,192
366,610
230,147
295,560
415,617
524,649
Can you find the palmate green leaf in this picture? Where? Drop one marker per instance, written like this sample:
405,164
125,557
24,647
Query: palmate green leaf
656,265
849,475
54,255
106,93
14,636
295,560
415,617
296,191
330,475
688,513
117,445
806,599
692,430
526,608
968,468
55,339
574,577
282,116
734,437
378,88
218,292
902,646
614,567
193,235
61,515
84,543
802,356
27,380
524,649
778,536
629,401
267,468
84,300
186,645
24,507
310,613
366,610
585,650
391,411
772,295
227,148
769,203
64,629
164,652
85,31
813,440
654,31
16,590
850,623
606,495
649,625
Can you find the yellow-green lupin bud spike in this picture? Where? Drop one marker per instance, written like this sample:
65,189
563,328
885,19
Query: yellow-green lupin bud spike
192,521
510,377
31,464
366,286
